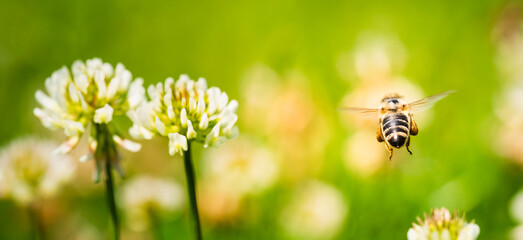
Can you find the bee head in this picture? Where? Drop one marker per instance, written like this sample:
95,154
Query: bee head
393,102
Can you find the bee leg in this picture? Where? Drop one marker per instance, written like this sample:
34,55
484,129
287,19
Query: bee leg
379,136
413,127
408,144
389,148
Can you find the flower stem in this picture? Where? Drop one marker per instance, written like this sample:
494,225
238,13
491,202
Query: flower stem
156,225
191,189
105,154
37,222
110,199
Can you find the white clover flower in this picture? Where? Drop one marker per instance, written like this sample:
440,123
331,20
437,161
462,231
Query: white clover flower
90,92
29,170
144,194
243,167
442,225
185,110
316,211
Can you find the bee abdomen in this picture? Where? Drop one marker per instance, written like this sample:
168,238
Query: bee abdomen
396,129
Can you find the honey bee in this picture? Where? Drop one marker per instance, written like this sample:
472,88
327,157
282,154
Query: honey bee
396,124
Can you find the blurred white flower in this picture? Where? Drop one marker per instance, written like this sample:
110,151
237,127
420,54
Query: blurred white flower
516,207
219,205
29,170
517,233
376,57
187,108
244,166
316,211
442,225
92,92
285,110
362,154
144,195
508,103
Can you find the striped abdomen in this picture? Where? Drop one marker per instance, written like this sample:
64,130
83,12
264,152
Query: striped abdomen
396,129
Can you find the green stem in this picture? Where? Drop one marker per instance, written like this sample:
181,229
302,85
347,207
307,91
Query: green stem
105,154
37,222
191,189
110,199
156,226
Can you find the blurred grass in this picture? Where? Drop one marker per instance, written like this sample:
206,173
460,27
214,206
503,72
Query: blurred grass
448,43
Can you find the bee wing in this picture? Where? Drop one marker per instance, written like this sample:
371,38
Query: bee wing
428,102
362,112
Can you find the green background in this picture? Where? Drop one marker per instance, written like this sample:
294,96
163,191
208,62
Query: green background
449,45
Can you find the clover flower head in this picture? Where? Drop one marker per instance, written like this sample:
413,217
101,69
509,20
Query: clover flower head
185,110
442,225
90,92
29,170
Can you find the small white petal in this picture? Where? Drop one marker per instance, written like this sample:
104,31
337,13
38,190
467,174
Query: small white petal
183,118
213,136
113,87
47,120
104,114
160,126
192,105
177,144
170,112
67,146
73,94
72,128
445,235
167,99
233,106
222,101
127,144
204,122
99,79
107,69
211,108
201,84
190,130
201,106
169,84
46,101
82,82
86,157
136,93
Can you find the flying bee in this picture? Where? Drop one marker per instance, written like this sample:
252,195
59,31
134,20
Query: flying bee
396,124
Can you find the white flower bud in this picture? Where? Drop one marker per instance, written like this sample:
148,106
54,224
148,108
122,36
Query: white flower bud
99,79
201,106
81,82
183,117
104,114
113,87
160,127
204,122
190,130
170,112
73,93
177,144
127,144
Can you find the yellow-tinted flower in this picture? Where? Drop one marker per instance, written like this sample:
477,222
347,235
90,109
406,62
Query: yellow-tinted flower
186,108
29,170
442,225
